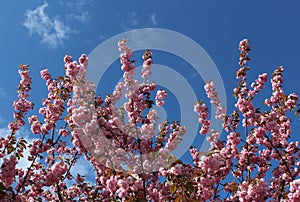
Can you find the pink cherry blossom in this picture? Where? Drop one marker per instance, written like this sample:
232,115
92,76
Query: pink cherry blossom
130,151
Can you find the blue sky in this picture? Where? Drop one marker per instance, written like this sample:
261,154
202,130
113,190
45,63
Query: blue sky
40,33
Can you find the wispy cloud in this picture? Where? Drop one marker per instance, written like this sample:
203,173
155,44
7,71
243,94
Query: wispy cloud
82,167
2,93
81,17
79,12
27,135
152,19
51,30
134,20
2,121
101,37
131,21
78,4
4,131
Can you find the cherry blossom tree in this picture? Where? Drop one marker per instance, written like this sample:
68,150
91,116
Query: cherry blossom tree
131,151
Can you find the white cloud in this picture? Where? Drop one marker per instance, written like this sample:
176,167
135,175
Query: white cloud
2,120
51,30
81,17
83,167
2,93
25,133
101,37
4,131
153,19
79,4
132,21
79,13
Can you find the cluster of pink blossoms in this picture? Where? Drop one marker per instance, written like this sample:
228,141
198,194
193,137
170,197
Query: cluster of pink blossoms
8,171
244,47
131,152
21,105
11,148
147,65
212,94
160,96
202,111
